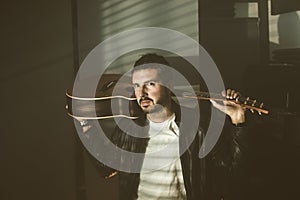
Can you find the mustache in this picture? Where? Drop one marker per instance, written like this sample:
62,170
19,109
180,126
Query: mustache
145,98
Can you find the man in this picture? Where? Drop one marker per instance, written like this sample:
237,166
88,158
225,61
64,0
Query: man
168,170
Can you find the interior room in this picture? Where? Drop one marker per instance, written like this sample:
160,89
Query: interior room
255,45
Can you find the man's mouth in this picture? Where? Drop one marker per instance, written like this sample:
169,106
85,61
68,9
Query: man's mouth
145,102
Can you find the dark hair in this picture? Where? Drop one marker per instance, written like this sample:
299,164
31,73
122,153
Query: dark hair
153,61
151,58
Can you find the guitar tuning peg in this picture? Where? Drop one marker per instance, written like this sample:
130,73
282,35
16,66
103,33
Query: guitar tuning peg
259,113
252,110
246,101
254,102
261,105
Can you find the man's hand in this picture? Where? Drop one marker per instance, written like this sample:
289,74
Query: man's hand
84,124
235,111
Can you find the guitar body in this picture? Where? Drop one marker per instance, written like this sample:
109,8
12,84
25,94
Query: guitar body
113,98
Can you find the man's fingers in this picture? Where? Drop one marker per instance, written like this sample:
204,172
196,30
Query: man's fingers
230,94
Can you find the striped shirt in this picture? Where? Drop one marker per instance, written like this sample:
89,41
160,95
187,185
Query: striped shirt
161,175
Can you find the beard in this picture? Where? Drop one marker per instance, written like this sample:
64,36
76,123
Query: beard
162,102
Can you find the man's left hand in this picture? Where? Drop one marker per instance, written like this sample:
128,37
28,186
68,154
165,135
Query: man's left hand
235,111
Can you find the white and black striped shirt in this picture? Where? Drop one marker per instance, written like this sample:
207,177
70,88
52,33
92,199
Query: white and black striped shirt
161,175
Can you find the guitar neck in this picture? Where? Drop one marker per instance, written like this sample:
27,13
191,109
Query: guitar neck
246,102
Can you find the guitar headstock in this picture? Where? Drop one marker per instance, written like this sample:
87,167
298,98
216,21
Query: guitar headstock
252,105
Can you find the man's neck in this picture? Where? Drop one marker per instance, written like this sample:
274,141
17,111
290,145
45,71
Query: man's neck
160,116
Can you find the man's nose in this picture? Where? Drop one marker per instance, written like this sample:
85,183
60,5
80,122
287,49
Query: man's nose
142,91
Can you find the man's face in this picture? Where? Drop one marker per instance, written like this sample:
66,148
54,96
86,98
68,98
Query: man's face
150,93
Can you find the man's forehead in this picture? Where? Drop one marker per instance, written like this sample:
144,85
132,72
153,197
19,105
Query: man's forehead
145,74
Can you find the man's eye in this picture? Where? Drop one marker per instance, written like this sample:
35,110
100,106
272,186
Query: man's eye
151,83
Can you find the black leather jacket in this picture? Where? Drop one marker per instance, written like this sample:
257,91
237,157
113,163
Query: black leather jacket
212,177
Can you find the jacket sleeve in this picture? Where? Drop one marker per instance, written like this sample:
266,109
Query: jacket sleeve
103,169
227,165
233,148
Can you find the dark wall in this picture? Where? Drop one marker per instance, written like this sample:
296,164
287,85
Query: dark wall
37,144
